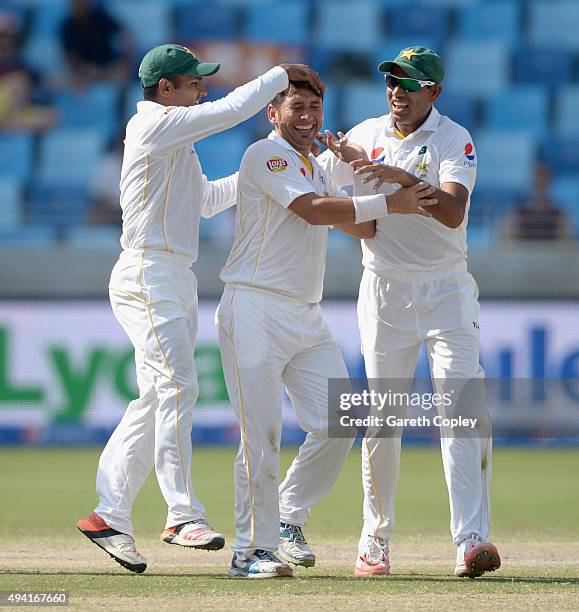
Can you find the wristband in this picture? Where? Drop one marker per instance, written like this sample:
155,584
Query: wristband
369,207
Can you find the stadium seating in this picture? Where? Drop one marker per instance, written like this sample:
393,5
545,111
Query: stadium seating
363,100
202,21
418,22
10,206
561,154
519,109
355,25
554,23
220,155
565,193
460,108
567,111
16,155
149,21
541,66
497,20
58,205
281,23
69,156
505,161
478,68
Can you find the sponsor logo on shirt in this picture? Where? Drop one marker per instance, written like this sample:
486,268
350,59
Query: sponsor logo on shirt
377,155
302,170
168,110
422,150
469,151
276,164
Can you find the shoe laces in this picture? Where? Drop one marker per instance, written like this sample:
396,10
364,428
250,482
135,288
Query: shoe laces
266,555
295,533
376,548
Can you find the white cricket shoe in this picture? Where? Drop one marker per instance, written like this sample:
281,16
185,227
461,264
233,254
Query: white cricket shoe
194,534
262,564
474,557
293,547
119,546
374,561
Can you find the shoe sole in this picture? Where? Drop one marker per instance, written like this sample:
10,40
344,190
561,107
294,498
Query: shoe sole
281,573
137,568
301,563
483,558
372,574
216,543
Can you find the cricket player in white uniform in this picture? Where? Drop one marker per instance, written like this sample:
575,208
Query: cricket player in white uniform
272,333
416,288
153,291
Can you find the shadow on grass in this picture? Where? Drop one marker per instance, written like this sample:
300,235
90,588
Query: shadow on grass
305,578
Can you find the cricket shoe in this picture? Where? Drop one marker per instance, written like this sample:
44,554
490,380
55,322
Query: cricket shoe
293,547
374,561
119,546
474,557
262,564
194,534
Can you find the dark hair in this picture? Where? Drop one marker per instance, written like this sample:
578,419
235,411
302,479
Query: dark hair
150,93
293,87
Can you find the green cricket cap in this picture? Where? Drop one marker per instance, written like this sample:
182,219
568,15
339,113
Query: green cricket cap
418,62
172,60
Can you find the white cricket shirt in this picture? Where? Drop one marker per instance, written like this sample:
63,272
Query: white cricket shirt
439,151
274,248
163,191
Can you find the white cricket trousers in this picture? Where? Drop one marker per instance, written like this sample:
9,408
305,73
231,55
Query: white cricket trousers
154,298
397,311
267,340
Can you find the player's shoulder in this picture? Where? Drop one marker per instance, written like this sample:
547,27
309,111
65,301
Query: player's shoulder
368,127
264,151
452,131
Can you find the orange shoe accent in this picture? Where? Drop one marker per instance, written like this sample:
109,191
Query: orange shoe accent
93,522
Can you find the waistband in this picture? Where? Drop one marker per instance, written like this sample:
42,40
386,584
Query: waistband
443,270
157,255
268,292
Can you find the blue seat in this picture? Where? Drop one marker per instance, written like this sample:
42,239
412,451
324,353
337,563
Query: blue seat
524,109
418,21
478,68
542,66
47,16
362,101
565,192
561,154
332,104
489,202
200,21
69,156
554,23
221,153
10,202
133,94
44,54
94,236
149,21
96,106
460,108
16,155
498,20
505,161
281,23
566,111
353,26
58,205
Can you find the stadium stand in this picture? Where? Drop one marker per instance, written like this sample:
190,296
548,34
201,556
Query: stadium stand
512,80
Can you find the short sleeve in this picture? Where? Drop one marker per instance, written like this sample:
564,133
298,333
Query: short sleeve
266,169
458,160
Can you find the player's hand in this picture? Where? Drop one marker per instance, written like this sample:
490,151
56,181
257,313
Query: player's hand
301,72
380,173
343,148
412,200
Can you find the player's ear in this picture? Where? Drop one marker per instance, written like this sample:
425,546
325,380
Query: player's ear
435,92
272,114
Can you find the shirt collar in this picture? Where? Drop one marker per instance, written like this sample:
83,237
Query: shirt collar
430,125
275,137
144,106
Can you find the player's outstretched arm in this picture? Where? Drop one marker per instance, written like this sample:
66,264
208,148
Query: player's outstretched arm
363,231
318,210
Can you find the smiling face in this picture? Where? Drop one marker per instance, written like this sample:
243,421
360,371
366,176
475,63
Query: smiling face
410,109
297,117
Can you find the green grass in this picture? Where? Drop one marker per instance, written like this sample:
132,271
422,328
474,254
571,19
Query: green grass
535,496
